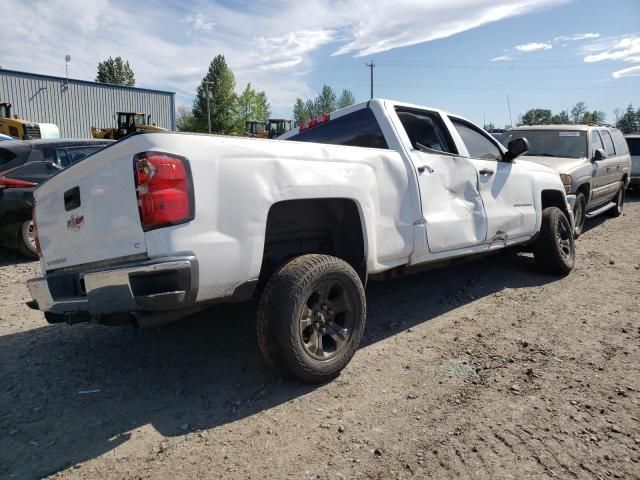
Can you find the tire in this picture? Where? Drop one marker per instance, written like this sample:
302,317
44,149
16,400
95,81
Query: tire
554,250
311,317
26,240
619,199
579,214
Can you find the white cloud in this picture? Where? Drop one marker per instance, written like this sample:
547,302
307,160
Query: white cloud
627,72
274,48
200,22
623,48
576,37
502,58
533,46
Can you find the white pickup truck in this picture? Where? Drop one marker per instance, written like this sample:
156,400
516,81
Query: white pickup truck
159,225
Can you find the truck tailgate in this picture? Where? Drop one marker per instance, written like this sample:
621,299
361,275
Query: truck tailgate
89,212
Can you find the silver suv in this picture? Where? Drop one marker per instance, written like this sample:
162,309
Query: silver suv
593,163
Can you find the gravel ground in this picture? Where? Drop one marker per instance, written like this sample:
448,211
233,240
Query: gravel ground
485,370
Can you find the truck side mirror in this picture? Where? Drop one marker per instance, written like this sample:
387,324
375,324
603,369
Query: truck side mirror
516,148
599,154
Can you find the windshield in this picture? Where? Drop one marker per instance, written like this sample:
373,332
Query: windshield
551,143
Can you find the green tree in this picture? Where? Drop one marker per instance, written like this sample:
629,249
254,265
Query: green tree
220,84
578,111
311,108
561,118
250,105
185,121
346,99
300,113
629,121
115,71
597,117
327,101
537,116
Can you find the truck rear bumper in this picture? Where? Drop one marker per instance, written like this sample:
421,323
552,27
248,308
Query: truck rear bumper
154,285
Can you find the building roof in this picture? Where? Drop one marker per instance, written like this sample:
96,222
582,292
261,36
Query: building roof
83,82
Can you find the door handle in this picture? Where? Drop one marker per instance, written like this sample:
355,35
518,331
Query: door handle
608,169
486,171
422,168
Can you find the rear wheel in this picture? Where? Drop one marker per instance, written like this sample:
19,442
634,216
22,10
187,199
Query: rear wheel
27,240
579,214
311,317
619,199
554,250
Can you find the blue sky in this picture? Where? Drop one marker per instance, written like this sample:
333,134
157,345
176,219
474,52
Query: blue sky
465,56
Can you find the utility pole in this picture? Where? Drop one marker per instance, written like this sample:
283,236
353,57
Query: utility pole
509,107
206,86
371,67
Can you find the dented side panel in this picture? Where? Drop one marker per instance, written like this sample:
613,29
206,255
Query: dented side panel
451,204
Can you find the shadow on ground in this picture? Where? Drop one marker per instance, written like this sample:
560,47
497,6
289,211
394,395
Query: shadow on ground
12,257
70,394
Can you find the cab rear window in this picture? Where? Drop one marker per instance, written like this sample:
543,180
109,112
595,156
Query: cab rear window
357,129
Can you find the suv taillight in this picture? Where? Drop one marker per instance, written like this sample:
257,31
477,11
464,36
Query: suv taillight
164,189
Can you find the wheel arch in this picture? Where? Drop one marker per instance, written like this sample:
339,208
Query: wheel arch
332,226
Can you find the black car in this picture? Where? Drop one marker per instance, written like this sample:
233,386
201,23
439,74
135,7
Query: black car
24,166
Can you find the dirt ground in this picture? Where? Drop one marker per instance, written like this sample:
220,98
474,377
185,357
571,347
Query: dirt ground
486,370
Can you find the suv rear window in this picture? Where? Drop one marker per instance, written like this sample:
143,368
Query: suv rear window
634,146
357,129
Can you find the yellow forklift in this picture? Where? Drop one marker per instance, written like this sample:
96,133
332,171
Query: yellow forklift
127,122
16,127
272,128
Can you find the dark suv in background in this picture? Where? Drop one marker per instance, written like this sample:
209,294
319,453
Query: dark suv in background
23,166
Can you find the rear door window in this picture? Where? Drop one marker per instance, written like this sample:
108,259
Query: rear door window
608,143
426,129
37,172
356,129
619,142
478,145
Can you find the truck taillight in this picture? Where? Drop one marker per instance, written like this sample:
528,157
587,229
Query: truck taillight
35,230
164,189
13,183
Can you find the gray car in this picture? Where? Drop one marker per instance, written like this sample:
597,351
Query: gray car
634,148
593,162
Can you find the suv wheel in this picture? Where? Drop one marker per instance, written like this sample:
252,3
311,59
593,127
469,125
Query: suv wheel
27,240
579,214
554,250
619,199
311,317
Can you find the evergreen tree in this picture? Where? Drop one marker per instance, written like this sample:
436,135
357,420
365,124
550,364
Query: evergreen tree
222,99
346,99
327,101
115,71
628,122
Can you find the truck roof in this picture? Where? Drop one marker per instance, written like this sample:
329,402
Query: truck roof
357,106
555,127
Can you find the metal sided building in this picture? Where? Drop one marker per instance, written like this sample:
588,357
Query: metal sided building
77,105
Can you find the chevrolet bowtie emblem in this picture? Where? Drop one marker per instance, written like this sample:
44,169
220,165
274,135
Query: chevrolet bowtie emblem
75,222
